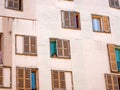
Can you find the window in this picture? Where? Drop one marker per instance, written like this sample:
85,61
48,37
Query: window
13,4
5,77
61,80
114,57
59,48
100,23
70,19
27,79
114,4
26,45
112,82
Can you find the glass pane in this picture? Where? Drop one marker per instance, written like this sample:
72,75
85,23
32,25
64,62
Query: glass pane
96,24
53,48
33,80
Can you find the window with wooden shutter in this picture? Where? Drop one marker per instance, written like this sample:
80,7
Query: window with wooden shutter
112,58
114,4
26,45
59,48
25,79
14,4
70,19
61,80
101,23
111,82
1,76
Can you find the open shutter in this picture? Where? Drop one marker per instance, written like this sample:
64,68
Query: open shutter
1,76
55,80
66,48
33,45
112,58
59,48
72,20
65,18
26,44
106,24
62,80
27,79
111,82
20,79
6,77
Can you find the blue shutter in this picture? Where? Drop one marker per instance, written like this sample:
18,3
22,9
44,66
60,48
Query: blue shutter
53,48
96,24
117,51
33,80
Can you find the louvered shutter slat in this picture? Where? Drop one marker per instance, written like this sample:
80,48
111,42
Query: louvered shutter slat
1,76
55,80
62,80
59,48
65,18
33,45
66,48
27,79
72,20
106,24
26,44
112,58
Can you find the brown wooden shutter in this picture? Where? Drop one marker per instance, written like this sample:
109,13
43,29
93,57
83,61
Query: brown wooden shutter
111,82
72,20
1,76
55,80
33,45
26,44
59,48
66,48
111,3
62,80
112,58
65,18
27,79
20,79
106,24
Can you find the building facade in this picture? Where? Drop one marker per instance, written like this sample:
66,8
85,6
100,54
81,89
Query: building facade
59,45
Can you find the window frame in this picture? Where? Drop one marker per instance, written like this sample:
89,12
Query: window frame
69,20
24,78
114,5
25,53
57,55
59,78
20,5
102,23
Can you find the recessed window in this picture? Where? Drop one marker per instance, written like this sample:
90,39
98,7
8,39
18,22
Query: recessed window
59,48
70,19
100,23
14,4
62,80
114,57
114,4
26,45
27,79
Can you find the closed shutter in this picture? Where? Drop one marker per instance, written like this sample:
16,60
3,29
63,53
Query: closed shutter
106,24
59,48
62,80
27,79
20,79
111,3
111,82
1,76
55,80
72,20
66,48
16,4
9,3
65,18
112,58
26,44
33,45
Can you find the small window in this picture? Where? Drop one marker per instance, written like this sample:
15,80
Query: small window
61,80
114,57
114,4
27,79
70,19
112,82
14,4
26,45
59,48
101,23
